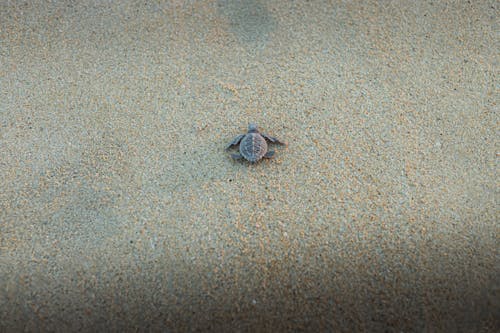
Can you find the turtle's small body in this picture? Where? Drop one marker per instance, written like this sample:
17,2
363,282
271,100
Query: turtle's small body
253,145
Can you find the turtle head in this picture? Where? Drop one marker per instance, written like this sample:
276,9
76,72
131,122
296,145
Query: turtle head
252,128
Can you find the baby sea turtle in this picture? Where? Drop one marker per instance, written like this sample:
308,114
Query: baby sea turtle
253,145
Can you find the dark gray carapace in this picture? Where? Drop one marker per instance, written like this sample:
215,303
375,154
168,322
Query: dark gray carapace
253,145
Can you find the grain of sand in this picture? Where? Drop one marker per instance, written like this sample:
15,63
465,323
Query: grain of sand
120,210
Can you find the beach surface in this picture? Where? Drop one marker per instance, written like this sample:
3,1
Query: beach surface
120,210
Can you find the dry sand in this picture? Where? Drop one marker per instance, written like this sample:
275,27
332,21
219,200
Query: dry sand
120,210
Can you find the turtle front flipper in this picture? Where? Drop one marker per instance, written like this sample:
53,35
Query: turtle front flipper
235,141
273,139
269,154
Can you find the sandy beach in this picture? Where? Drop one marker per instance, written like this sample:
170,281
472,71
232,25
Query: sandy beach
120,210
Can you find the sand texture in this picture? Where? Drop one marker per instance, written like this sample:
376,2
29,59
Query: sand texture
121,211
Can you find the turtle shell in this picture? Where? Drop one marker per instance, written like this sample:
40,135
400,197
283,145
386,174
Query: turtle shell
253,147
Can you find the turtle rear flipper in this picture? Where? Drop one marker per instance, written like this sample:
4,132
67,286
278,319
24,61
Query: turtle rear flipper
237,156
269,154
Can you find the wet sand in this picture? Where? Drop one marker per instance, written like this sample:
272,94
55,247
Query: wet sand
120,209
